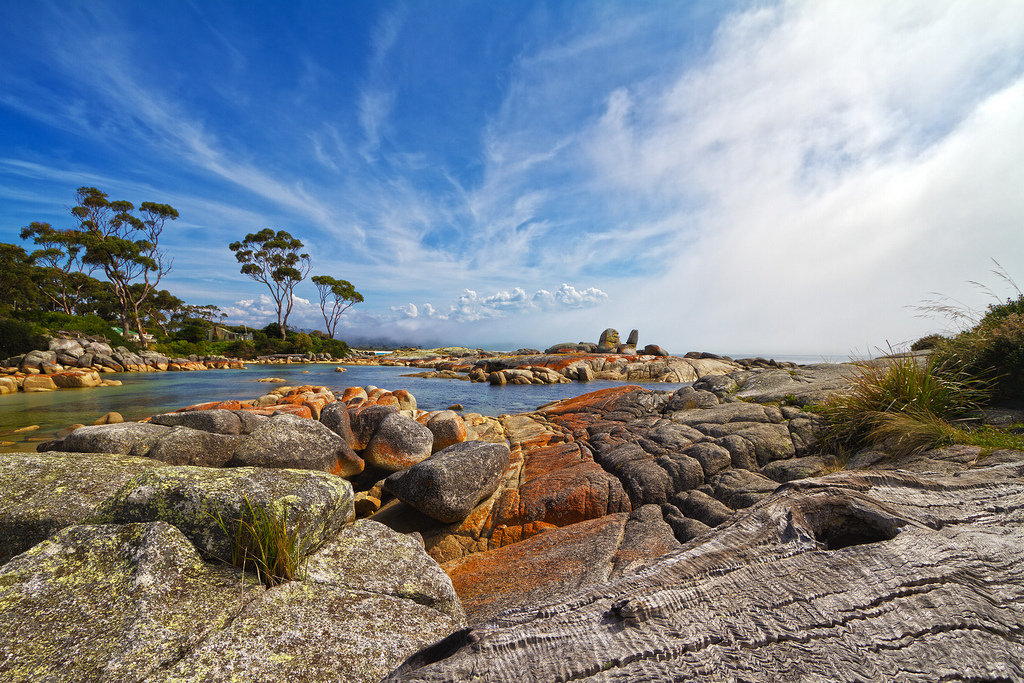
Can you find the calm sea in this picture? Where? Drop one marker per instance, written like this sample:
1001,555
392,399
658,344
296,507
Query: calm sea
151,393
145,394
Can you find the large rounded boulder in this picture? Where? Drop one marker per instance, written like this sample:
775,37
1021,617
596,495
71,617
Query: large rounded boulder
448,485
287,441
398,443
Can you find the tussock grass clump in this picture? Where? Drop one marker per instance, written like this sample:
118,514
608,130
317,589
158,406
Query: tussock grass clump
262,540
904,405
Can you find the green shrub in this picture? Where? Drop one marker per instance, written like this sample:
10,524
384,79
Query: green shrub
90,325
928,342
994,348
245,350
904,405
302,343
179,348
18,337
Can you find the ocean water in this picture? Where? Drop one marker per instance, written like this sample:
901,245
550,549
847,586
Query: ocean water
145,394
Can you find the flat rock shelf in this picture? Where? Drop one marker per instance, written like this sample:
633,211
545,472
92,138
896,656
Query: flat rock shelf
856,576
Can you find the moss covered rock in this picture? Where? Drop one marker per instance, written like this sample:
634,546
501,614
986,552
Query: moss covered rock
316,504
45,492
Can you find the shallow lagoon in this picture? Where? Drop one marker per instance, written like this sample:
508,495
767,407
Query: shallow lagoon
151,393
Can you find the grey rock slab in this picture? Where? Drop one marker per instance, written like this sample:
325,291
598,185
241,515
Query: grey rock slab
689,398
249,421
124,438
218,421
702,507
370,557
646,537
314,633
807,384
449,484
742,453
315,504
288,441
795,468
185,446
854,577
712,457
741,488
770,441
111,603
41,493
726,413
648,478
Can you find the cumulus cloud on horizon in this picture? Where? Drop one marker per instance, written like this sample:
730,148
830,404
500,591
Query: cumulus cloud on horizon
471,307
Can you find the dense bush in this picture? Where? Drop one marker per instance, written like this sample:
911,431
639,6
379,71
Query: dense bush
19,336
993,348
179,348
89,325
928,342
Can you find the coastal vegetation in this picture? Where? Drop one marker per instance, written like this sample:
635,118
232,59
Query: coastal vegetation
909,405
274,259
53,288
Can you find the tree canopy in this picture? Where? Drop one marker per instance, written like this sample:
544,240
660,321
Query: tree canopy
338,295
274,259
111,236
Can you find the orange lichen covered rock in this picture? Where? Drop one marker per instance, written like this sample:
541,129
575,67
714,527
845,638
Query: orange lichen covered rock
557,562
561,485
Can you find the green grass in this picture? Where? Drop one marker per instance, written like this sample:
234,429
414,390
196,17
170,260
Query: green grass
903,406
262,541
992,438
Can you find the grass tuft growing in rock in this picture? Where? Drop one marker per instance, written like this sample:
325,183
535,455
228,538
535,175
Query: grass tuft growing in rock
904,405
262,540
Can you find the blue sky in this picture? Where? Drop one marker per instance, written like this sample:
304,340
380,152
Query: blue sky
737,177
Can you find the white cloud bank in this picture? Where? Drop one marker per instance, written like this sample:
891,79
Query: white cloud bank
471,307
832,163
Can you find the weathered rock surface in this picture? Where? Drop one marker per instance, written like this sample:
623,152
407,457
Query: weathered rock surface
124,438
216,421
197,499
111,603
184,446
135,602
559,561
855,576
44,492
367,556
450,483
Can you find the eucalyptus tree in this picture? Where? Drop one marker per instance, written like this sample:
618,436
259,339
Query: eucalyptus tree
62,277
341,296
16,271
125,246
275,260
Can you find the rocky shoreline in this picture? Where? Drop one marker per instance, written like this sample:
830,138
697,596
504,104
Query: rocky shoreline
625,533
